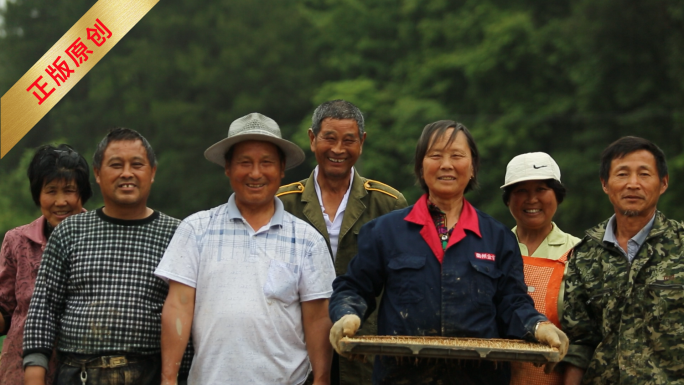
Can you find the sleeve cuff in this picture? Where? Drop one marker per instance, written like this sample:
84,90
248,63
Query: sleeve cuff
337,315
579,355
531,326
36,359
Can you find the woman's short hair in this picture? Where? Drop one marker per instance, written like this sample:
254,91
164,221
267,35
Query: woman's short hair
438,129
553,184
59,163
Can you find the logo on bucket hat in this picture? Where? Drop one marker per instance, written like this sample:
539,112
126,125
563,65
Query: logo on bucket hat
255,126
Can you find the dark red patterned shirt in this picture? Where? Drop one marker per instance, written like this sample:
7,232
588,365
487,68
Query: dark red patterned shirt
20,257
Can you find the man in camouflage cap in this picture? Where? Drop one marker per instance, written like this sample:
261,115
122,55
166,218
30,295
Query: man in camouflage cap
624,299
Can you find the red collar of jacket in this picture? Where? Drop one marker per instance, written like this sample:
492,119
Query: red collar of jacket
421,216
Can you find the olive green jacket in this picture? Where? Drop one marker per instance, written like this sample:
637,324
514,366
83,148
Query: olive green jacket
368,199
626,321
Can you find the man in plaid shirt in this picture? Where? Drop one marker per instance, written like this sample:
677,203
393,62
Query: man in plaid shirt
96,297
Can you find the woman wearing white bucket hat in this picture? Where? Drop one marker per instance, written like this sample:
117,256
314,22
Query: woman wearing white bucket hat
532,192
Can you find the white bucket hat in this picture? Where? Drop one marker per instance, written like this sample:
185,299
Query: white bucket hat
255,126
531,166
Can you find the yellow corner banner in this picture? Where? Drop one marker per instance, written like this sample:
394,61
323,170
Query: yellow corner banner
67,62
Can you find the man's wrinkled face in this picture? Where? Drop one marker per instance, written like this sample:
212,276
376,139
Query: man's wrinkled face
255,171
337,147
633,184
125,175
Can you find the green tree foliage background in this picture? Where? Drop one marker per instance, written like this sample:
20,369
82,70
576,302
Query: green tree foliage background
564,77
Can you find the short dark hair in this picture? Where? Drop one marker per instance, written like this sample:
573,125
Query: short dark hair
121,134
438,129
336,109
58,163
627,145
553,184
228,156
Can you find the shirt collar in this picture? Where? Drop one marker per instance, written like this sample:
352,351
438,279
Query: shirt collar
343,204
639,237
433,209
34,231
468,220
420,215
276,219
556,237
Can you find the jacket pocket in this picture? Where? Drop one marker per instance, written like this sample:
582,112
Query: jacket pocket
405,278
666,323
663,286
488,269
485,282
282,282
599,296
603,303
668,300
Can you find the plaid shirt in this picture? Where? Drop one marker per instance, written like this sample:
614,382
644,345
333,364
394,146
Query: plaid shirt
96,292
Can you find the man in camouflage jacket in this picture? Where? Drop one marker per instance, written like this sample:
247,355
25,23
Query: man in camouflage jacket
624,300
337,201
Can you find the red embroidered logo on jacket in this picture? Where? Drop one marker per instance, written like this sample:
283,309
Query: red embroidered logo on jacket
486,256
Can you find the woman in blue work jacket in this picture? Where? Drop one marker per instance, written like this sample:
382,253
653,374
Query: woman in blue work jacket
446,268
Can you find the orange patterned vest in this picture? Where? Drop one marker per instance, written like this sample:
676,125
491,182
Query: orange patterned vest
543,278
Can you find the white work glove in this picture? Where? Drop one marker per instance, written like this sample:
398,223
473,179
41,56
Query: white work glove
344,327
547,333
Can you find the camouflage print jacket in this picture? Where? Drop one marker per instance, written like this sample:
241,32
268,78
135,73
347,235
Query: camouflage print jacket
626,322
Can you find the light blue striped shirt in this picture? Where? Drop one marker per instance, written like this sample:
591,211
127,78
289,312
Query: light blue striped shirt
250,283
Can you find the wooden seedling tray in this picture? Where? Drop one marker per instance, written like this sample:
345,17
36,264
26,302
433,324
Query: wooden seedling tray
451,347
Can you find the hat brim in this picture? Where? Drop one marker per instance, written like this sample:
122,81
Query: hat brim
294,155
529,177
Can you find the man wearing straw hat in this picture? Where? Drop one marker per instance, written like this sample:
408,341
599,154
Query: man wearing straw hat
251,280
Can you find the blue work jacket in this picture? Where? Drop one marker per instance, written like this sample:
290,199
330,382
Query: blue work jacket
477,290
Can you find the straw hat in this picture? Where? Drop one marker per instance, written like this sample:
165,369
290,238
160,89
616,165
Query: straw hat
255,126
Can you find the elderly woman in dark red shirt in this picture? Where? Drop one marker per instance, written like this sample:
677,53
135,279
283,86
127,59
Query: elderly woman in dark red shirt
60,185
